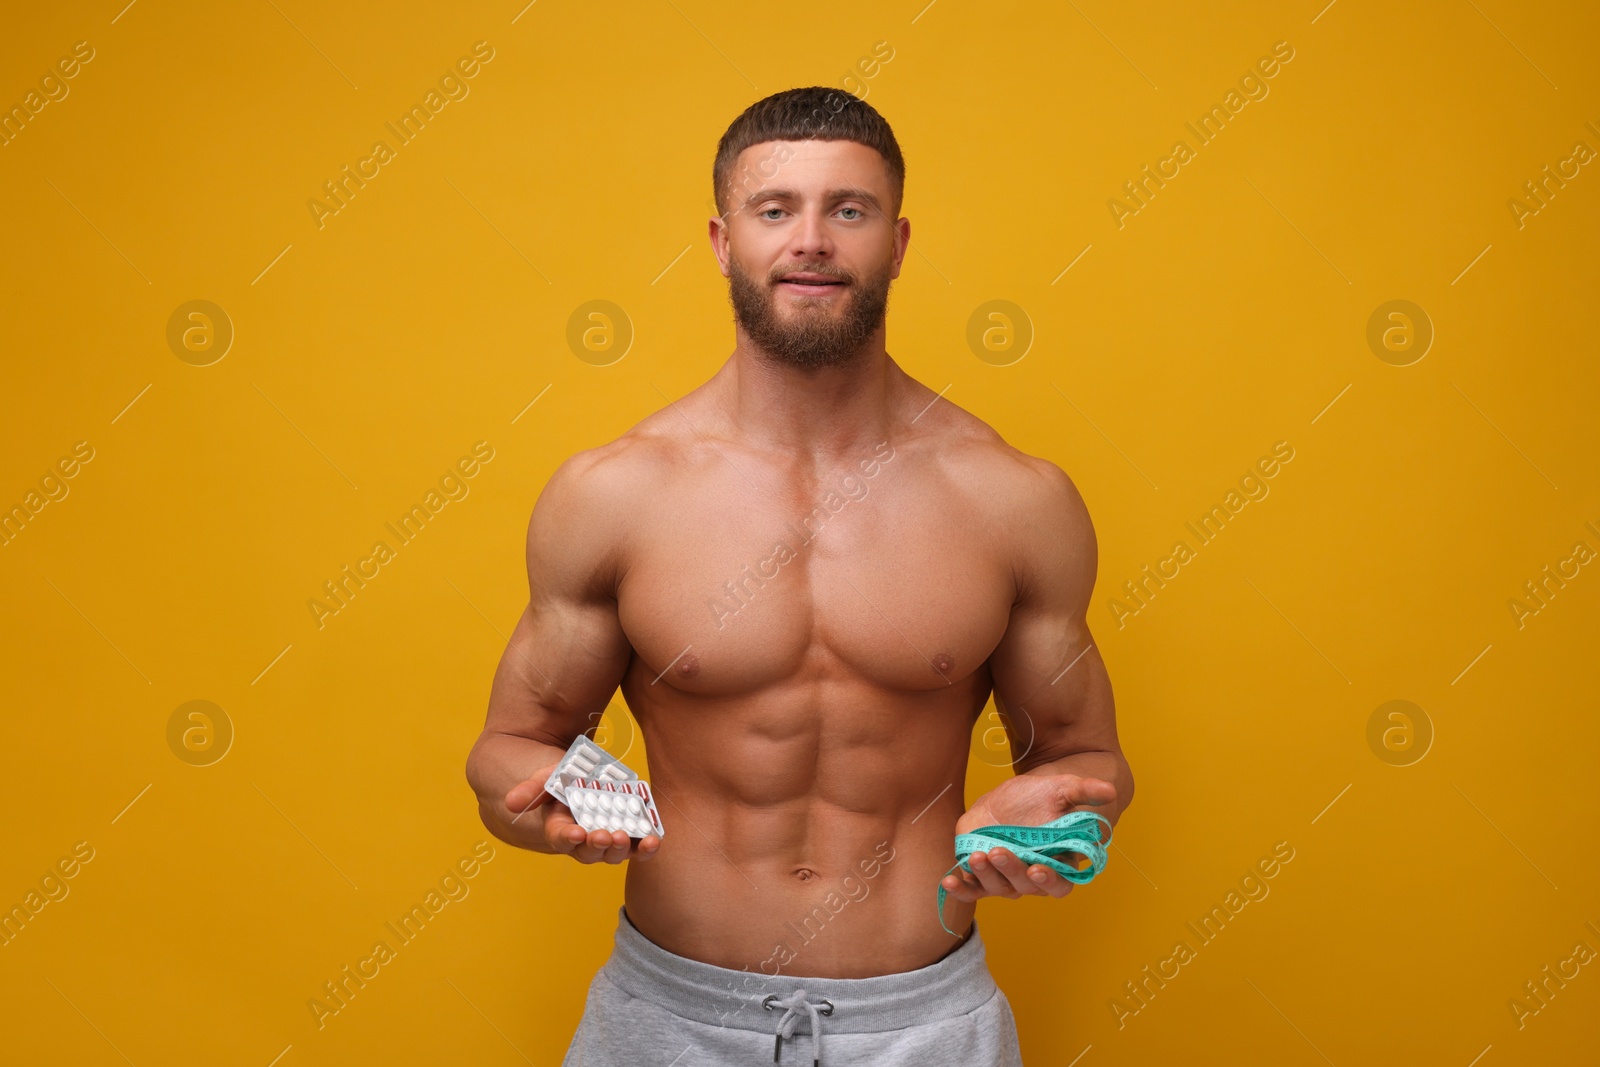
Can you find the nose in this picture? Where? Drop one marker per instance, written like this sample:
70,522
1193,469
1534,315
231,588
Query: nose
809,238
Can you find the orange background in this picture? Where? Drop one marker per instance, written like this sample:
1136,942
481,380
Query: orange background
371,352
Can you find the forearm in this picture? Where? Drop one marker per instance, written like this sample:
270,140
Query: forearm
498,762
1108,766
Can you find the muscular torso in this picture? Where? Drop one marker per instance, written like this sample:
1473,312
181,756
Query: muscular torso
810,643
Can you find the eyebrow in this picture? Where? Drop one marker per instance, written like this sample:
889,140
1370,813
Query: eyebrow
846,193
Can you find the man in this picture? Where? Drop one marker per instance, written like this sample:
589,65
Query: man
806,576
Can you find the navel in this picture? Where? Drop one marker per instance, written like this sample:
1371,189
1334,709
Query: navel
805,874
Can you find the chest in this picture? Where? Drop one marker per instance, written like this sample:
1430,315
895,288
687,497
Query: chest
891,578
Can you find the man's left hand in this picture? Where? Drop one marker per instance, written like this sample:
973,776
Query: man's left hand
1025,800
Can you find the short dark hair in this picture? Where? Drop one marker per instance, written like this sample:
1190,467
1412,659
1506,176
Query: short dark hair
813,113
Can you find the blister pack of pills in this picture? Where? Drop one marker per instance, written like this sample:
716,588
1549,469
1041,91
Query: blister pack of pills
585,759
610,805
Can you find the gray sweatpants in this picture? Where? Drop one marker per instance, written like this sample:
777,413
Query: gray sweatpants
648,1007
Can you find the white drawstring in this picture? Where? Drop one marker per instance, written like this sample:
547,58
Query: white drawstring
792,1004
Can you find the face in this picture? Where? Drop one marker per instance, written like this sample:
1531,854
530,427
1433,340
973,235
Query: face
809,249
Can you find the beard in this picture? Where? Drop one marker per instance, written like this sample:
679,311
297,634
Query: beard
812,335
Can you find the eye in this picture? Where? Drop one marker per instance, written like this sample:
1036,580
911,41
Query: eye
766,213
858,213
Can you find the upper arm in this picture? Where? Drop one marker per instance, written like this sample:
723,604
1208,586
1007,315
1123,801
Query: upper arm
568,651
1049,680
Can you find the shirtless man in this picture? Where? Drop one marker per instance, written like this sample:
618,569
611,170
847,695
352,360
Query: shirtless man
807,576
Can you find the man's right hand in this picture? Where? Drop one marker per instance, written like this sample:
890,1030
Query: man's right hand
562,832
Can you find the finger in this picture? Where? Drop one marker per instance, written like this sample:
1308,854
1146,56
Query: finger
1095,791
561,830
1013,870
1049,882
525,797
994,882
646,847
962,886
597,844
618,850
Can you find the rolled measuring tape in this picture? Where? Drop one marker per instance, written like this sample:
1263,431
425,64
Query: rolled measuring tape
1076,831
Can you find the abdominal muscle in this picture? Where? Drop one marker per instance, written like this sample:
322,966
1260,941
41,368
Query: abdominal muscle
800,841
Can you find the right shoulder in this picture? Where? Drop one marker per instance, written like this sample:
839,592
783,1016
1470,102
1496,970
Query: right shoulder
581,522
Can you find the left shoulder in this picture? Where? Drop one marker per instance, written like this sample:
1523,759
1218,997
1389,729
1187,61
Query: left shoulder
1043,522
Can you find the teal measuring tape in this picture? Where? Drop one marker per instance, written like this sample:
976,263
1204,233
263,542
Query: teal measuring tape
1076,831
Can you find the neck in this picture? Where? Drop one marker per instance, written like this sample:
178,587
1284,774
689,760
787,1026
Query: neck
825,411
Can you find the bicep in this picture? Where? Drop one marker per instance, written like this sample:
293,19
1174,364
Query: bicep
1050,682
568,652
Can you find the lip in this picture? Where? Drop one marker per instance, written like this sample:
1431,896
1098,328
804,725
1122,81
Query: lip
806,283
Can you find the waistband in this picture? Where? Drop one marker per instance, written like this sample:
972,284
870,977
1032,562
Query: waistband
720,996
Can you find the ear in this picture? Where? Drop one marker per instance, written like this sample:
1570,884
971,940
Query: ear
717,230
902,241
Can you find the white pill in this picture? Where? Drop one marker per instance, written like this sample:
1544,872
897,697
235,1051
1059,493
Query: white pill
634,806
